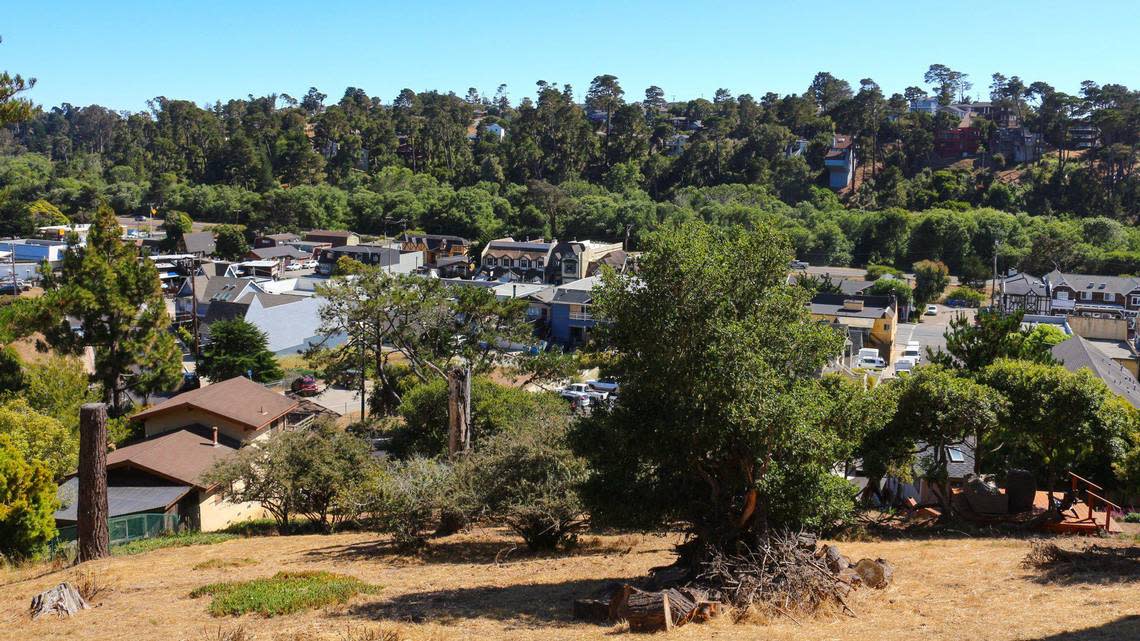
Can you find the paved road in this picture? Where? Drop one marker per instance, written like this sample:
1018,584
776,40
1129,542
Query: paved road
930,333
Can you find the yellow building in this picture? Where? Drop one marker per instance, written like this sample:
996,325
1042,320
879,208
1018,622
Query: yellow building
873,318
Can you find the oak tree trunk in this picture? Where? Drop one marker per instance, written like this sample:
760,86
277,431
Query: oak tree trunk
92,512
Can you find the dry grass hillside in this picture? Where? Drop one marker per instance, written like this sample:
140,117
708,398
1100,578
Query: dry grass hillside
950,588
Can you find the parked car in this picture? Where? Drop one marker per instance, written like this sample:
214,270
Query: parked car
931,310
140,218
905,364
190,381
309,264
8,288
305,386
609,385
576,391
871,362
293,267
867,352
912,352
798,264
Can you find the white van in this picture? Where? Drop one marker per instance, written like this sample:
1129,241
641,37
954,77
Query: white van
912,352
905,364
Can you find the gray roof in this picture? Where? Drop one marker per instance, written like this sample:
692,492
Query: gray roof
519,245
200,242
954,469
1092,282
849,286
1078,353
578,292
832,305
222,288
279,251
1023,284
120,500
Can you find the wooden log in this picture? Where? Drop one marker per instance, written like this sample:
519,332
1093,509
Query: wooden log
62,600
647,612
91,508
836,562
668,576
593,610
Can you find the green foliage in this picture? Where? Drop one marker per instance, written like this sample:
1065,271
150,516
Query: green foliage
11,371
527,477
495,408
57,387
930,279
711,419
282,593
238,348
972,345
230,242
1038,343
875,271
118,300
39,437
406,494
298,473
968,296
893,287
27,503
179,540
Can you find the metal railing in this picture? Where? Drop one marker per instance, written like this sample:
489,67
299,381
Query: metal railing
123,529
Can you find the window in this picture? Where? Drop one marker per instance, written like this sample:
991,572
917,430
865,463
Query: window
1062,295
507,262
489,261
570,266
538,263
1086,295
1136,301
955,455
524,263
886,327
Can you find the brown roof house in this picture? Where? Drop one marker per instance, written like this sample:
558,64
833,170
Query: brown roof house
337,238
185,435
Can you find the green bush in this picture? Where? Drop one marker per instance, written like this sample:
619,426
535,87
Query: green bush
282,593
494,407
875,272
1132,517
180,540
404,496
967,295
528,478
27,503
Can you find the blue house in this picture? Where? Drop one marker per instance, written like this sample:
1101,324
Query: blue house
840,162
570,317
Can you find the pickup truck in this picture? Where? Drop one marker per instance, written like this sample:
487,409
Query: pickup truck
578,391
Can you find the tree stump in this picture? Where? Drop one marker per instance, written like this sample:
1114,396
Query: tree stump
657,611
875,573
91,508
62,600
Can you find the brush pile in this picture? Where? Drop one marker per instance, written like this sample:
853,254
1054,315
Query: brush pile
787,573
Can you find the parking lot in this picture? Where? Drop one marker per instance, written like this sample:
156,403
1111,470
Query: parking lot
930,333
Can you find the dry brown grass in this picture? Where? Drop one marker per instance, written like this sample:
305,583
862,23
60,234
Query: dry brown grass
944,589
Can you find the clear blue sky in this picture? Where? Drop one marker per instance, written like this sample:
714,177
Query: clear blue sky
120,54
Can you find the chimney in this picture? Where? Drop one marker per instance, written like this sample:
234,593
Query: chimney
261,410
214,431
852,305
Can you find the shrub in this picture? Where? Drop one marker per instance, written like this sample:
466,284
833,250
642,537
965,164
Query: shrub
875,272
282,593
528,478
406,495
181,540
27,503
1132,517
967,296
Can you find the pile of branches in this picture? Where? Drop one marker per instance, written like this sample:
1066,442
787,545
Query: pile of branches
1082,559
786,573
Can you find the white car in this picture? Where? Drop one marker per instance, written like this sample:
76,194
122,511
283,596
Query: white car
309,264
912,352
609,385
578,391
871,362
798,264
905,364
293,267
931,310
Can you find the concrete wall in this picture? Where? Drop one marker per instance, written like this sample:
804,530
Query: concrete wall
1115,329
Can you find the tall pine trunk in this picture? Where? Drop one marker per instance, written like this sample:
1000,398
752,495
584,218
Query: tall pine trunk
92,511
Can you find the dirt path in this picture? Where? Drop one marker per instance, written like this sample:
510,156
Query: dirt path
951,589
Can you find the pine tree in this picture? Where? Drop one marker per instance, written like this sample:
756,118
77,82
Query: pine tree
238,348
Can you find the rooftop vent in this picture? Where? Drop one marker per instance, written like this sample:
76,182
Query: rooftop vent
852,305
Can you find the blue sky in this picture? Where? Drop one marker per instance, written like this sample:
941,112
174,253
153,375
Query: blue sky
120,54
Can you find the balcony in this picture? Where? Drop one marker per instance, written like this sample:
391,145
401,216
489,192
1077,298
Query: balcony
581,316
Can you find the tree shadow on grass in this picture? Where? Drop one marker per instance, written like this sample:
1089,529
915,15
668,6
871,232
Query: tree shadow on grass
1123,628
461,551
537,602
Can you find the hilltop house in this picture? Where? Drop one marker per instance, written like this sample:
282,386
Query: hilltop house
840,162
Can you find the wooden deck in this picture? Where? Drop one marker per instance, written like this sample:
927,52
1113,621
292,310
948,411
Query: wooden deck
1080,519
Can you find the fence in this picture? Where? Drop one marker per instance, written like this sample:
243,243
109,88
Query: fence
126,528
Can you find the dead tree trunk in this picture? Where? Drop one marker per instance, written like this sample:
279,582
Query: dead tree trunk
458,409
91,521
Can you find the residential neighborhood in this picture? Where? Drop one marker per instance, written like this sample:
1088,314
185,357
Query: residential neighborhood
771,323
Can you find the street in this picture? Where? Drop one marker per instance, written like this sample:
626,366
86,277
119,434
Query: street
930,333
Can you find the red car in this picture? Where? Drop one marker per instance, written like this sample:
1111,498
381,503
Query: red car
305,386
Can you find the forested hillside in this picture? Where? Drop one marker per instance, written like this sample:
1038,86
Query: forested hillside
605,164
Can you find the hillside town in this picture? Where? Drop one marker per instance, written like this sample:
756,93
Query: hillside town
811,357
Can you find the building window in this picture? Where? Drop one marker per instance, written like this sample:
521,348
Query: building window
538,263
955,455
1086,295
524,263
507,262
1136,301
886,327
1062,295
489,261
570,267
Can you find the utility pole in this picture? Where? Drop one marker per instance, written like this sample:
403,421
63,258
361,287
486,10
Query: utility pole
12,266
993,292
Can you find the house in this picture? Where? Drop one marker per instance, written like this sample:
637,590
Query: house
840,162
618,260
1084,294
959,464
796,148
1083,135
446,255
1025,293
957,142
570,317
334,237
496,131
207,290
389,258
283,254
675,145
509,259
1079,353
866,320
199,244
1018,144
185,436
61,232
275,240
571,260
291,323
926,105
